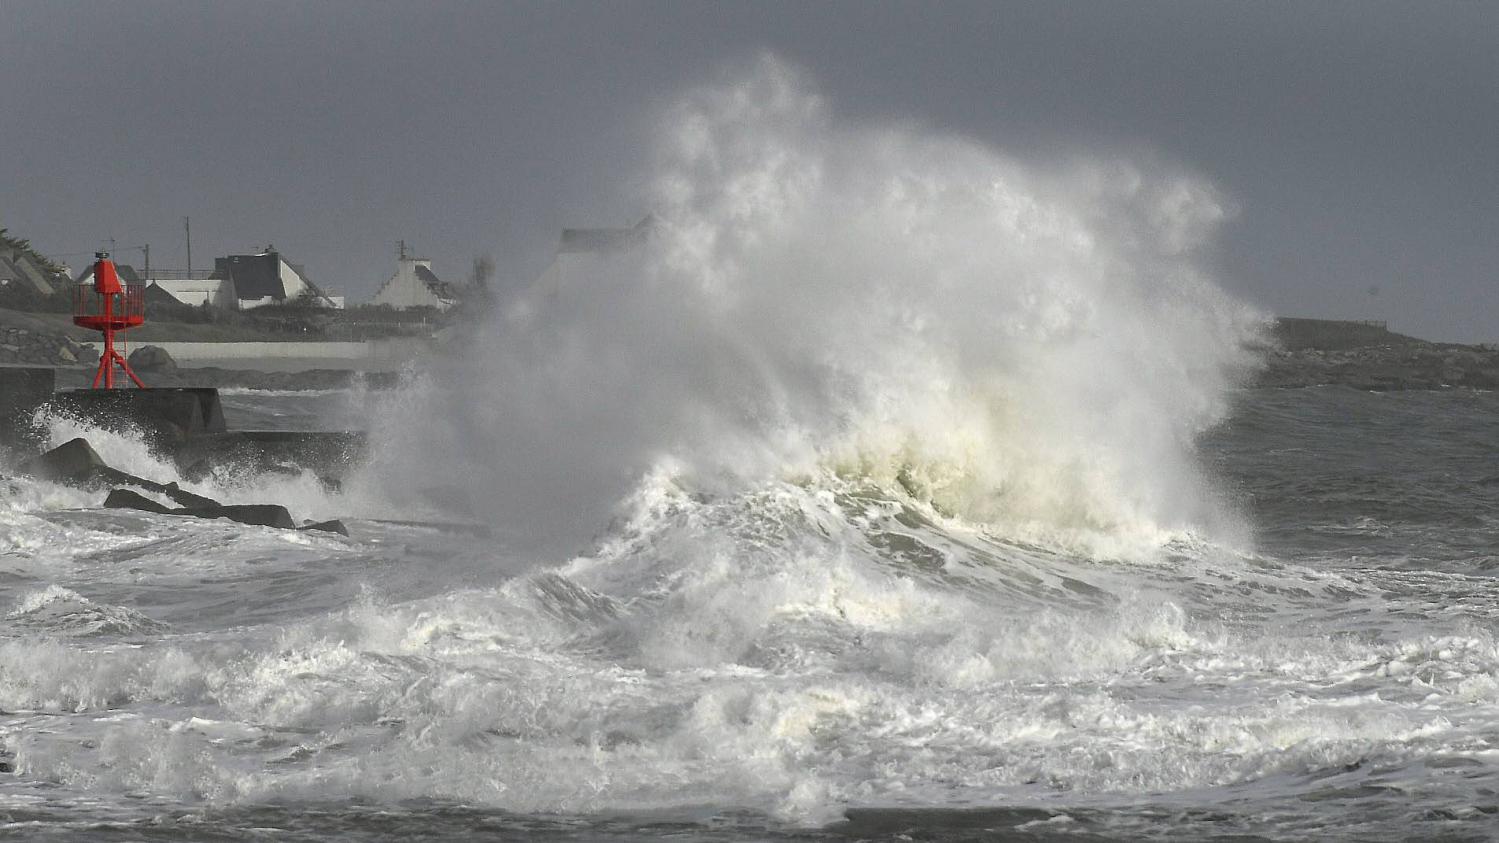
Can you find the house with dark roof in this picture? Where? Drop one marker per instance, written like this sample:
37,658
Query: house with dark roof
173,286
268,278
238,282
414,284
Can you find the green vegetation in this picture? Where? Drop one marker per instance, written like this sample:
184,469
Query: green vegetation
22,245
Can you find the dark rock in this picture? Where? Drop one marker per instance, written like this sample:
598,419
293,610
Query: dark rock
151,358
74,461
334,526
261,514
328,455
188,499
126,499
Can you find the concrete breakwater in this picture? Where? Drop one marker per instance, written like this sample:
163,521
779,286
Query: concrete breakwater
185,424
374,354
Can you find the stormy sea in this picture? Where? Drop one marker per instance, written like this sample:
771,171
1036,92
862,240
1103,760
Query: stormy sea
887,486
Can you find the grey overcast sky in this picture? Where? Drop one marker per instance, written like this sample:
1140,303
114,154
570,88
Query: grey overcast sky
1359,140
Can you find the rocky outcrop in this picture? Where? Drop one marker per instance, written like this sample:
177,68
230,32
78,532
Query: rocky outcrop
151,358
261,514
76,463
1313,352
20,345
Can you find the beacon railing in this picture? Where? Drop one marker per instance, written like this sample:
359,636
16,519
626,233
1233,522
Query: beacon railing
127,308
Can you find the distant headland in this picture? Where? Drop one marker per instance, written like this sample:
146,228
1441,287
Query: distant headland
1367,355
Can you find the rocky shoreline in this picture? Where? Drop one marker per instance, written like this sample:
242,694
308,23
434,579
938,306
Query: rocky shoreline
1364,355
1383,369
36,348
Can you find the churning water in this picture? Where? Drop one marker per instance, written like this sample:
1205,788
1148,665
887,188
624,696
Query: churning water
889,486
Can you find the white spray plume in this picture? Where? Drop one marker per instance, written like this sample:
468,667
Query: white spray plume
1034,345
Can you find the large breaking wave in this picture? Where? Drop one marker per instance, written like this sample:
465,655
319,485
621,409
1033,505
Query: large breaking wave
1030,344
802,499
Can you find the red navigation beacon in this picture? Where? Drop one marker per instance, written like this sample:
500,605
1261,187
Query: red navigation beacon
108,306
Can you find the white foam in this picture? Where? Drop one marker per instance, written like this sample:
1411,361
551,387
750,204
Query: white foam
1034,344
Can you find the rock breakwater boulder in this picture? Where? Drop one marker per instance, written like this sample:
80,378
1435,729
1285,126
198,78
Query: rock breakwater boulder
24,346
76,463
151,358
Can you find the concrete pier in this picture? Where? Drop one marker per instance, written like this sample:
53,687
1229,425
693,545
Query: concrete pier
167,417
184,423
22,390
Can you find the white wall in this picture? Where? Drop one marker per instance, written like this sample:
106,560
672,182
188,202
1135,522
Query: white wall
405,290
211,291
291,281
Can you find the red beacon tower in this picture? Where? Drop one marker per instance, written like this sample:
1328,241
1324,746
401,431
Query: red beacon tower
108,306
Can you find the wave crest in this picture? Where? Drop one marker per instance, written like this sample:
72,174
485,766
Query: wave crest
1033,344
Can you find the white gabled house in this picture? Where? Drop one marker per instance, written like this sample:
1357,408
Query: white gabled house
414,284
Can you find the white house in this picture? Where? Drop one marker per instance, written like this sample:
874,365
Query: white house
580,250
195,292
415,285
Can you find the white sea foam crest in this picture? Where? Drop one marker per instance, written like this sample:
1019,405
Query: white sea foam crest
1033,344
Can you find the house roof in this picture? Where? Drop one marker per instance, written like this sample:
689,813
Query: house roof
440,288
575,240
253,276
156,295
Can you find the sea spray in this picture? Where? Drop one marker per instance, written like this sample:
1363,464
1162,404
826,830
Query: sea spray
1034,345
866,408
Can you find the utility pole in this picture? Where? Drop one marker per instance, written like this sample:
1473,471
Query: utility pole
187,225
401,245
147,249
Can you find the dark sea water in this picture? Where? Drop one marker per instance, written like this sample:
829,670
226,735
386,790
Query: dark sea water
813,658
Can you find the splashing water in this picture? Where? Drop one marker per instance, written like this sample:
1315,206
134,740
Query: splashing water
1031,346
869,478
